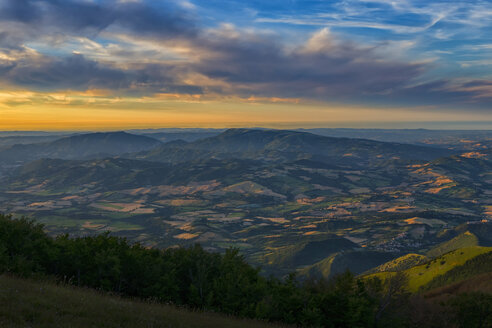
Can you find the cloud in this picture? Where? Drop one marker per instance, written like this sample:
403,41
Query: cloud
400,17
75,72
323,67
163,19
322,21
450,94
141,48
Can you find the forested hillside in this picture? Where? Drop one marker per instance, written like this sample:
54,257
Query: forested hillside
197,279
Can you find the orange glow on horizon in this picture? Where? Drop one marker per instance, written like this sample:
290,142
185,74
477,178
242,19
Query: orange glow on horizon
98,110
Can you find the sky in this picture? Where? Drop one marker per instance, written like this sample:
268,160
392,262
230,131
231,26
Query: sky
119,64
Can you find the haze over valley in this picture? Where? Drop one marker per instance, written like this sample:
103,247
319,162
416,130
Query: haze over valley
289,200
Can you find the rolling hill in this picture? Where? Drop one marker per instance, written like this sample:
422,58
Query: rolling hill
356,261
465,235
457,139
274,194
6,142
120,173
185,136
309,252
280,145
421,275
82,146
480,264
466,239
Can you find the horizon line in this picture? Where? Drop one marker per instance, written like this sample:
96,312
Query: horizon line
429,126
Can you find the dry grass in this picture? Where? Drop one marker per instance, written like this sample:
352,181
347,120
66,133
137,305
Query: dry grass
186,236
473,154
26,303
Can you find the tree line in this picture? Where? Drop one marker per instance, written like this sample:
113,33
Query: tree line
477,265
226,283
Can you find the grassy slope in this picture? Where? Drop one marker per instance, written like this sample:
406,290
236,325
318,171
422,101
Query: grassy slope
319,269
401,263
25,303
466,239
424,273
308,253
480,264
355,261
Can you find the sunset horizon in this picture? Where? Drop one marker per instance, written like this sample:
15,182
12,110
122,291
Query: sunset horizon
113,64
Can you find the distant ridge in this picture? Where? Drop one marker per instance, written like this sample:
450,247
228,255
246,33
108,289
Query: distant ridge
81,146
286,145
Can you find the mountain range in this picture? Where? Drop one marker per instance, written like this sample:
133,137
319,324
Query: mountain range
278,145
290,200
78,147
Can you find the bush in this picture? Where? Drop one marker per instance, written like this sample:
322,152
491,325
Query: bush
24,248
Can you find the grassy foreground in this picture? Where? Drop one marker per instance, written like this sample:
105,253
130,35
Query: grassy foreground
26,303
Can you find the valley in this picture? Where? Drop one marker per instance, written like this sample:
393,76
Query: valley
289,200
